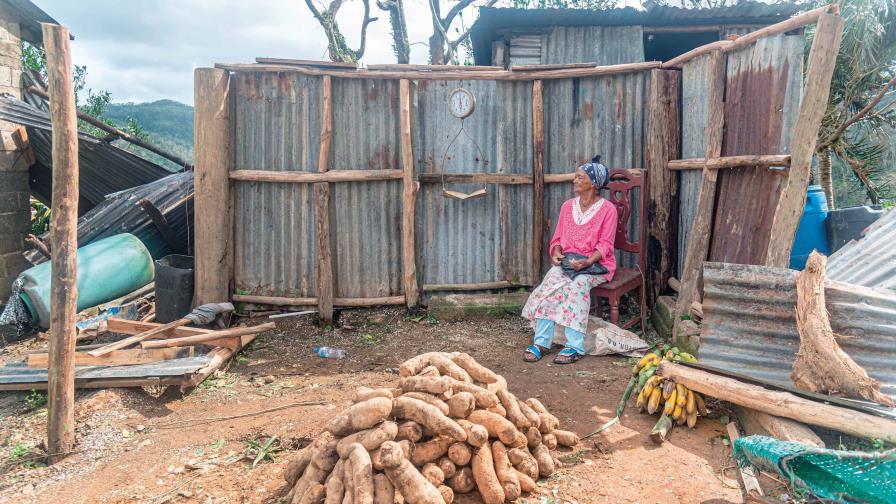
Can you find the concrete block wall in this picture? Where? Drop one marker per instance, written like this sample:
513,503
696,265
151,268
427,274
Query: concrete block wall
15,212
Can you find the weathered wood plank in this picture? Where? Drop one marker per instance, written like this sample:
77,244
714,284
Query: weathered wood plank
409,200
538,179
322,210
127,357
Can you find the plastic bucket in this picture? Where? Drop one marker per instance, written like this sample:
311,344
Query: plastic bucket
174,287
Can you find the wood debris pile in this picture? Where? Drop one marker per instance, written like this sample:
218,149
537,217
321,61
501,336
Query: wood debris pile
451,427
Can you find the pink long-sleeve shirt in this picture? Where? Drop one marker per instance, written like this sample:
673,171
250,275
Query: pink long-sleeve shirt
598,233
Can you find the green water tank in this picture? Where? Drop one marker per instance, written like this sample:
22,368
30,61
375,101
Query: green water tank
107,269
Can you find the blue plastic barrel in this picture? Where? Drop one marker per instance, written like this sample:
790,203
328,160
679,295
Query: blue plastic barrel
107,269
811,233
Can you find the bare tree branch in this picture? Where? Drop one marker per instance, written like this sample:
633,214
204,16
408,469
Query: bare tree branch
466,33
856,117
858,168
336,45
367,21
449,18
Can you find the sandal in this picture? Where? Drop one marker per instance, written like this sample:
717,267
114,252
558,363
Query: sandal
567,356
534,353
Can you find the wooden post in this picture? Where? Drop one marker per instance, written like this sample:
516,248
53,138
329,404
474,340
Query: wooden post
538,179
698,244
792,198
663,144
64,242
213,243
747,474
322,210
409,199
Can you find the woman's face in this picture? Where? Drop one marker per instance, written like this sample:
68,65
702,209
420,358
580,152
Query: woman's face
581,184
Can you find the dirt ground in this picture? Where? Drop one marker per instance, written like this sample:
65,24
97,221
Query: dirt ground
150,446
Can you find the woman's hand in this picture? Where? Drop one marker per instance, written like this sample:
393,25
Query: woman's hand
556,256
580,264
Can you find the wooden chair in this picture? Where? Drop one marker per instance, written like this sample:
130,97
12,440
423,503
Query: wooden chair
621,186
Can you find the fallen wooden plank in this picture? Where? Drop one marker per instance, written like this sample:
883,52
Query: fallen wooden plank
123,326
747,475
215,337
785,429
127,357
782,404
719,163
137,338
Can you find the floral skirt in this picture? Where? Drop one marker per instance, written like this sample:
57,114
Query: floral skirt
563,300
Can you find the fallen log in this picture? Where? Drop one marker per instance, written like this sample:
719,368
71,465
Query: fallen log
782,404
785,429
207,337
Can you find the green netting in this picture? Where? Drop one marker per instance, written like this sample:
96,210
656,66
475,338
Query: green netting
843,476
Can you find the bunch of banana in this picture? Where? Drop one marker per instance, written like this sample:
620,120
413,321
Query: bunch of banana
655,392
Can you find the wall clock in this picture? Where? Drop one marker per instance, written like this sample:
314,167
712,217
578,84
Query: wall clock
461,103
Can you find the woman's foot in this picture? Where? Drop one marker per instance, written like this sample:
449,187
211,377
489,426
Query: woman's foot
534,353
567,356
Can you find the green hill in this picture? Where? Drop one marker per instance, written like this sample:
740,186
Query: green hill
168,123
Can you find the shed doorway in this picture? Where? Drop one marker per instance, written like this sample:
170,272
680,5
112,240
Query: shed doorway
665,45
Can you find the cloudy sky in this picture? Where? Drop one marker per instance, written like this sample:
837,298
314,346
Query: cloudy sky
145,50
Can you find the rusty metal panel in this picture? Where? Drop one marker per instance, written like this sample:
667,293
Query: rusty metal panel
276,127
489,238
749,323
604,115
366,216
694,109
871,260
762,95
604,45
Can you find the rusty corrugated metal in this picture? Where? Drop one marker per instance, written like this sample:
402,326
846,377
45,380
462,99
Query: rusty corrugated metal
762,95
597,115
871,260
694,98
749,323
366,232
486,239
276,126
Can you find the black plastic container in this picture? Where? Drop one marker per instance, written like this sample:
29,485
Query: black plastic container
174,287
846,224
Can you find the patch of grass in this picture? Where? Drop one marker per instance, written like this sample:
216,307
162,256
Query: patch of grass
21,455
371,340
423,317
260,451
36,399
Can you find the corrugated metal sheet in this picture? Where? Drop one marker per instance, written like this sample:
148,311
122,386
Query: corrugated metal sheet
604,45
870,261
485,239
525,49
366,215
276,126
596,115
762,96
16,373
30,17
103,167
749,324
492,22
694,109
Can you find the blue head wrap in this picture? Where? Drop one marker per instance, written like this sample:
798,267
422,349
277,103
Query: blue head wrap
598,173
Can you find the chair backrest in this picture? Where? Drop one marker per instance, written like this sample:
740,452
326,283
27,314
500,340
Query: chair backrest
620,188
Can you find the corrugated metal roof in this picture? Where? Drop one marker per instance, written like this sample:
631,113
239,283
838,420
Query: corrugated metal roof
749,323
103,167
30,18
20,373
871,260
492,19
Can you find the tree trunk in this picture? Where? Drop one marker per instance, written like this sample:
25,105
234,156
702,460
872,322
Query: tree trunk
825,177
397,20
437,49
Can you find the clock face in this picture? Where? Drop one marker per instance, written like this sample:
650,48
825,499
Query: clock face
461,103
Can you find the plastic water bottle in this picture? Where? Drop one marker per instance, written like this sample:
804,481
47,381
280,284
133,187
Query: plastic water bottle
328,353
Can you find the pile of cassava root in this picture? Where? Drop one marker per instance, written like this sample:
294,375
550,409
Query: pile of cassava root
451,427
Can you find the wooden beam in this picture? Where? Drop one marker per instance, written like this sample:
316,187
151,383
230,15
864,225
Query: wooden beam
701,229
20,137
123,326
759,423
408,199
663,141
322,210
782,404
785,26
729,162
315,177
214,158
434,68
137,338
311,63
538,179
210,338
38,245
312,301
747,474
471,286
64,242
475,178
553,66
559,178
792,198
127,357
447,75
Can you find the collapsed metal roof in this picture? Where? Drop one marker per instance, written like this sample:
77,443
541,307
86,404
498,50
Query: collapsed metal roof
492,20
749,323
871,260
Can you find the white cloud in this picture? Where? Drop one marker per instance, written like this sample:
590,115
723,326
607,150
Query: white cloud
142,50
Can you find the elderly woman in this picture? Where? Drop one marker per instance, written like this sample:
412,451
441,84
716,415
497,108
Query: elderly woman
582,253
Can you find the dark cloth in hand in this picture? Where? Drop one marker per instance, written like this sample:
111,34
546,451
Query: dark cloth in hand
595,269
